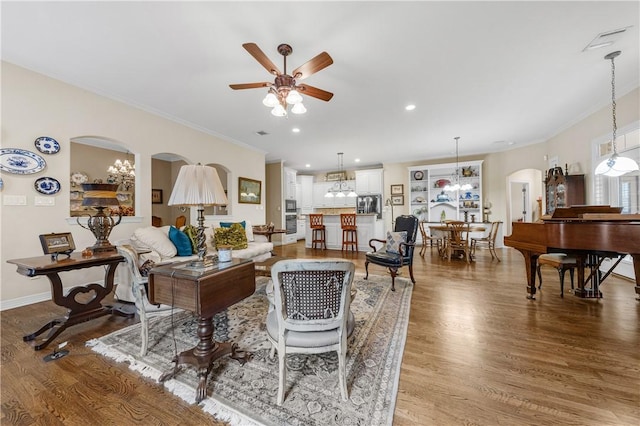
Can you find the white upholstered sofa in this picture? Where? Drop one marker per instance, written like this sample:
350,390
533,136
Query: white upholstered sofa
153,246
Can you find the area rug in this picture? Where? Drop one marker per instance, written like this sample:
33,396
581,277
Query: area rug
246,395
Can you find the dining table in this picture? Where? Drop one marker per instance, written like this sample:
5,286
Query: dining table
444,231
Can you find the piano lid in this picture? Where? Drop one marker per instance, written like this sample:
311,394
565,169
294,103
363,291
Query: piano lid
590,213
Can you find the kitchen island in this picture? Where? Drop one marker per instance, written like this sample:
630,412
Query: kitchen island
369,226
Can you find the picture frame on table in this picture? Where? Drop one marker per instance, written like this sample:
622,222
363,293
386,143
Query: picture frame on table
397,200
156,196
249,191
397,189
57,243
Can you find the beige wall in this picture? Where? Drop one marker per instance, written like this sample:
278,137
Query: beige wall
34,105
572,146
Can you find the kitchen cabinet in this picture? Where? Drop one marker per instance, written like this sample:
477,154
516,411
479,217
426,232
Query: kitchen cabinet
369,181
563,190
431,201
304,192
289,184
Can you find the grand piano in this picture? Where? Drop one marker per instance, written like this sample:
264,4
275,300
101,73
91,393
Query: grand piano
590,233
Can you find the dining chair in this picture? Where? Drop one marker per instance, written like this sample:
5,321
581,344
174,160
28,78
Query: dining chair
428,238
488,240
458,239
311,312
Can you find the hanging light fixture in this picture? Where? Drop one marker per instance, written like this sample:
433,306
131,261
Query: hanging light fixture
456,178
615,165
341,188
123,173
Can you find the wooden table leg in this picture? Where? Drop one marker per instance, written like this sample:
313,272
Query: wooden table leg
203,355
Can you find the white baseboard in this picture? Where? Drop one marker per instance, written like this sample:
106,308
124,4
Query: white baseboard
34,298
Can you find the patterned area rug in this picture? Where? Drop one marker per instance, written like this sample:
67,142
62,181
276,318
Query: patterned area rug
246,395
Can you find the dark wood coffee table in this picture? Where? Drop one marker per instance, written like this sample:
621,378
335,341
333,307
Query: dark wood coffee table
204,291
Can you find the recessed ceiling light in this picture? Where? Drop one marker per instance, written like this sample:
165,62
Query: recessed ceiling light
307,165
295,130
357,160
410,107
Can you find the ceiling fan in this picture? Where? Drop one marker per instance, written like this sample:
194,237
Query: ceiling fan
285,90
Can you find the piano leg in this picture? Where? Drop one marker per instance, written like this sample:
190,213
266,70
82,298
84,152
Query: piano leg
531,264
636,269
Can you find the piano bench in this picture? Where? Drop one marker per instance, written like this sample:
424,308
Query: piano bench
561,262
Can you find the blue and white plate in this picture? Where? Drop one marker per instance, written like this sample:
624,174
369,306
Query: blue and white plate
47,185
47,145
20,161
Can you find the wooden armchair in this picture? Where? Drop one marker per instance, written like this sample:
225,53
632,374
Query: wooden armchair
458,240
396,253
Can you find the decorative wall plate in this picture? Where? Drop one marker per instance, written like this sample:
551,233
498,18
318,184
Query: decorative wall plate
20,161
47,145
418,175
47,185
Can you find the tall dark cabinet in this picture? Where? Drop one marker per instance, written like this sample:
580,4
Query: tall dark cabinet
563,189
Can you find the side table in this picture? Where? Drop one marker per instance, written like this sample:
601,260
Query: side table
204,291
78,312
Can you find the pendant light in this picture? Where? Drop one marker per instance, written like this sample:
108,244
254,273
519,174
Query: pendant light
456,186
615,165
341,188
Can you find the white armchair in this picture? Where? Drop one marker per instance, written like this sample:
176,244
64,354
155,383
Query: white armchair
138,284
311,312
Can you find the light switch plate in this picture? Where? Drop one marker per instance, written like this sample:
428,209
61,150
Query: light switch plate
14,200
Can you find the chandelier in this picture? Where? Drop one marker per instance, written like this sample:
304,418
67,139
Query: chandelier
615,165
341,188
456,178
123,173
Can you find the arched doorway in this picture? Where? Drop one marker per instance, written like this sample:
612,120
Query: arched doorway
524,189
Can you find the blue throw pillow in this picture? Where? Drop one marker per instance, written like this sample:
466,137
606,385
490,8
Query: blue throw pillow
228,224
181,241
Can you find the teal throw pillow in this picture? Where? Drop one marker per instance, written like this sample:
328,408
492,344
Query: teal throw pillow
181,241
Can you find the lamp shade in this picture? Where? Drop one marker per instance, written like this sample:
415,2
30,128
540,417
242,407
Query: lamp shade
616,166
198,185
100,194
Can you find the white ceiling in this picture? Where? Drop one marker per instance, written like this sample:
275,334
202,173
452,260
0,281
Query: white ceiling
497,74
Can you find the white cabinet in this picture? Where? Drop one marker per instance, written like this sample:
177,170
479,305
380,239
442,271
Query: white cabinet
369,181
432,201
304,192
300,229
319,191
289,184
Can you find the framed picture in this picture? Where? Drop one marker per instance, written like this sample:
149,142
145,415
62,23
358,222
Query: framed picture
334,176
249,191
397,200
57,243
156,196
397,189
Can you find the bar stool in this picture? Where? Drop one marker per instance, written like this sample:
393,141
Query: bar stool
349,231
561,262
316,224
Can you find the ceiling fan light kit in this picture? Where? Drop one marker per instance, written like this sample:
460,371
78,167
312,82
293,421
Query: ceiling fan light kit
285,91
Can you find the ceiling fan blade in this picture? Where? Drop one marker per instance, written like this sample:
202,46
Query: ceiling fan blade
249,85
315,92
312,66
259,55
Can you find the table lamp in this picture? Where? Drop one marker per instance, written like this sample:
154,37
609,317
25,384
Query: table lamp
200,186
100,196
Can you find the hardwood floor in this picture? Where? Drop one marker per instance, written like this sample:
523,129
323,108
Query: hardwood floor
477,353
